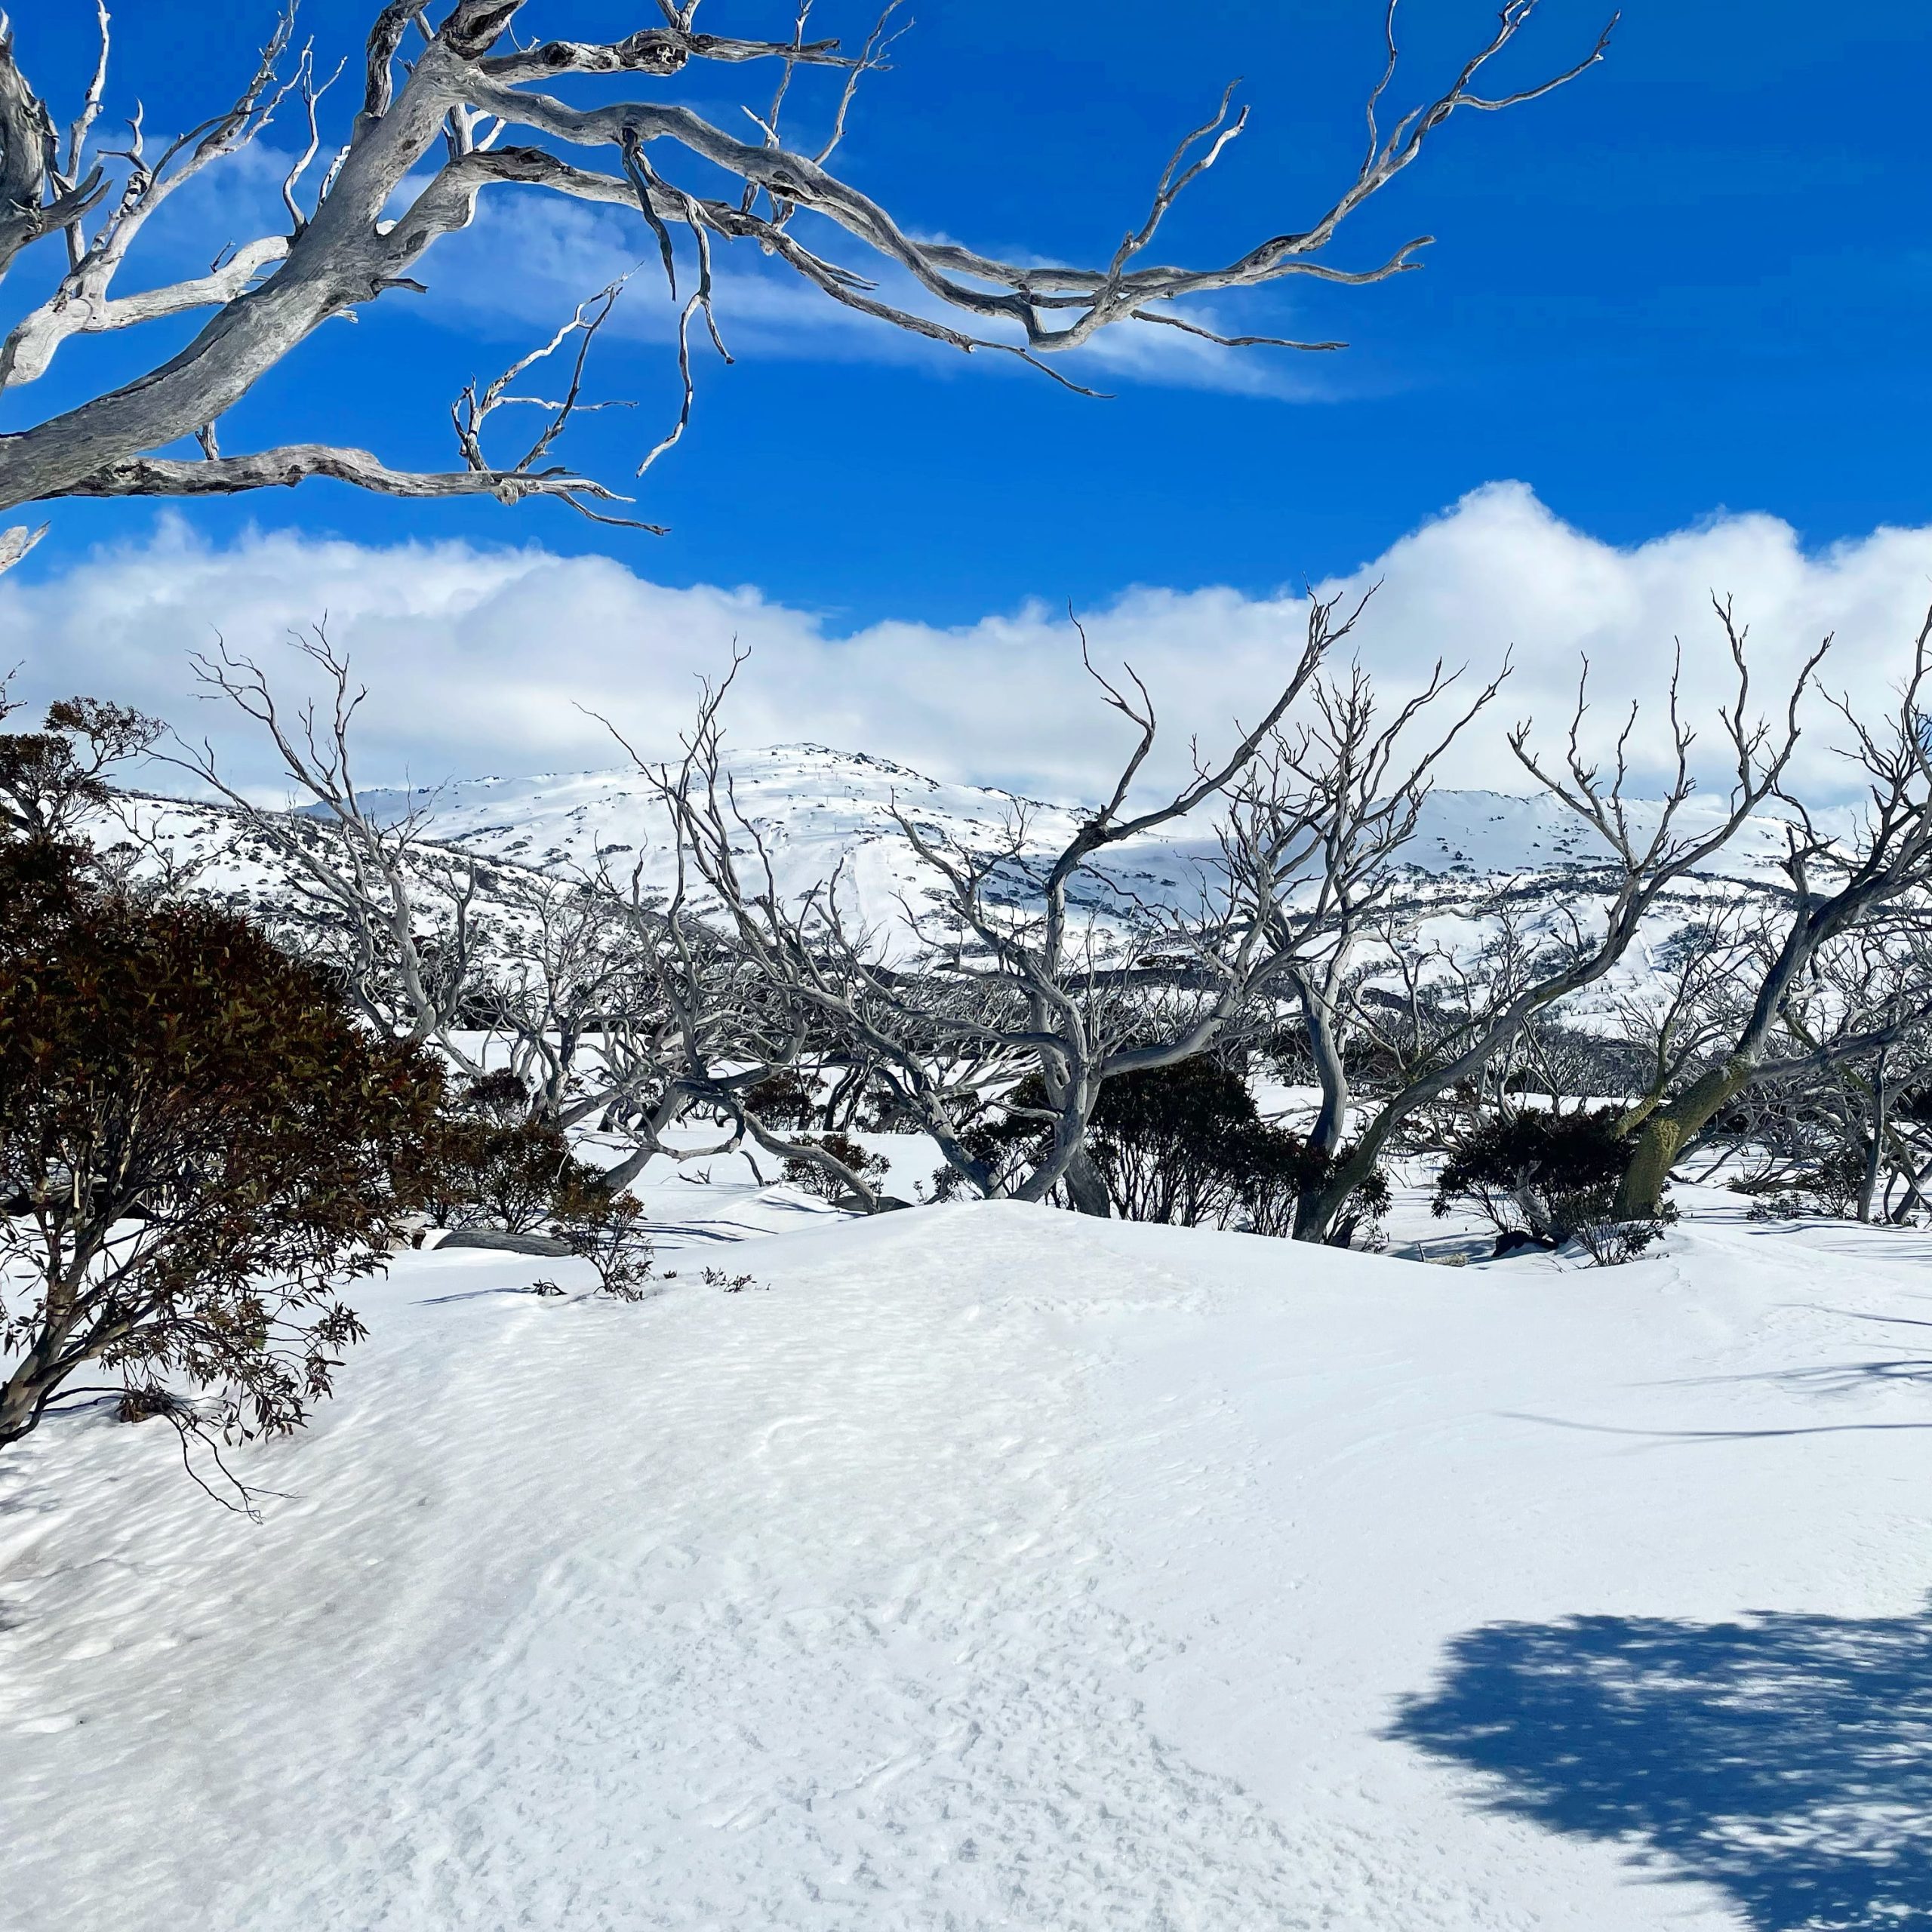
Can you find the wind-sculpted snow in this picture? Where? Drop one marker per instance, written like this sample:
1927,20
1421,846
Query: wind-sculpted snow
992,1567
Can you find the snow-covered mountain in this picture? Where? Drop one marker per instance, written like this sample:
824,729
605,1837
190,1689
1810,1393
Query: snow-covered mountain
815,806
819,812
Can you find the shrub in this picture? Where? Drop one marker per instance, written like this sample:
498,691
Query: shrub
520,1174
480,1171
51,780
1281,1167
1174,1143
1005,1136
499,1096
782,1100
1610,1243
1162,1140
1183,1144
608,1231
1186,1143
1542,1172
802,1172
1552,1177
1830,1188
198,1145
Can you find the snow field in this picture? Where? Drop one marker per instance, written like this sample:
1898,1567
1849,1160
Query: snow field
989,1567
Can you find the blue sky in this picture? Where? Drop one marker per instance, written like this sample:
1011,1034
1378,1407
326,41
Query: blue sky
1694,281
1669,340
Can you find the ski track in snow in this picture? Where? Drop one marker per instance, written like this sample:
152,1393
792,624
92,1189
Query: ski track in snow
991,1569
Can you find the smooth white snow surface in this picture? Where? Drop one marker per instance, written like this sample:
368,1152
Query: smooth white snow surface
992,1567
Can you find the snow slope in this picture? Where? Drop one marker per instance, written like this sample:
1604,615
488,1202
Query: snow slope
816,806
823,813
819,811
992,1567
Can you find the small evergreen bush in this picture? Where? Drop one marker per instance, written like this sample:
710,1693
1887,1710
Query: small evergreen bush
1551,1177
198,1146
807,1174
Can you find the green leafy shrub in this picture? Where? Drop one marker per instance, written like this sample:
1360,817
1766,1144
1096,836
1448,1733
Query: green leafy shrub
1551,1176
801,1172
608,1231
1183,1144
784,1100
198,1147
1540,1173
487,1163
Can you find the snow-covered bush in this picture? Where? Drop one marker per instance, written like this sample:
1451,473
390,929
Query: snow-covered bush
1610,1244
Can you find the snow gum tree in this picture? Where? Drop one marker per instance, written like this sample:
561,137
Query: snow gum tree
51,779
1451,1040
449,106
1014,984
1837,884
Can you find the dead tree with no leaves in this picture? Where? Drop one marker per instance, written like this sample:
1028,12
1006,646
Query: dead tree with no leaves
1836,884
1311,850
1587,943
450,112
389,910
1013,981
692,1029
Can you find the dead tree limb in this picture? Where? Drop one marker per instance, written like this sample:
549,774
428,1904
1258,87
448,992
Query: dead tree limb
1837,883
466,114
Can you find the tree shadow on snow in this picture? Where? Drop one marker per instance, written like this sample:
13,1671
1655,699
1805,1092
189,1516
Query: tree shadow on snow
1786,1760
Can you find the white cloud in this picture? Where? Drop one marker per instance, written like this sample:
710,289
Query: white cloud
565,251
478,660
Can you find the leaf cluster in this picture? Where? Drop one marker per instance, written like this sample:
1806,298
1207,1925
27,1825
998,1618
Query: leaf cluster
1545,1173
198,1145
52,778
814,1178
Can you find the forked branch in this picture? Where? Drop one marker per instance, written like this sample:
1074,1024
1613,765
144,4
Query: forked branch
456,104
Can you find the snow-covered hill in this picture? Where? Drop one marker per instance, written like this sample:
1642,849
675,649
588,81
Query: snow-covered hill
820,812
817,806
990,1567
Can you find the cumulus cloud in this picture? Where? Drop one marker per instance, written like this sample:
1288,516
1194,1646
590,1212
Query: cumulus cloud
489,660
